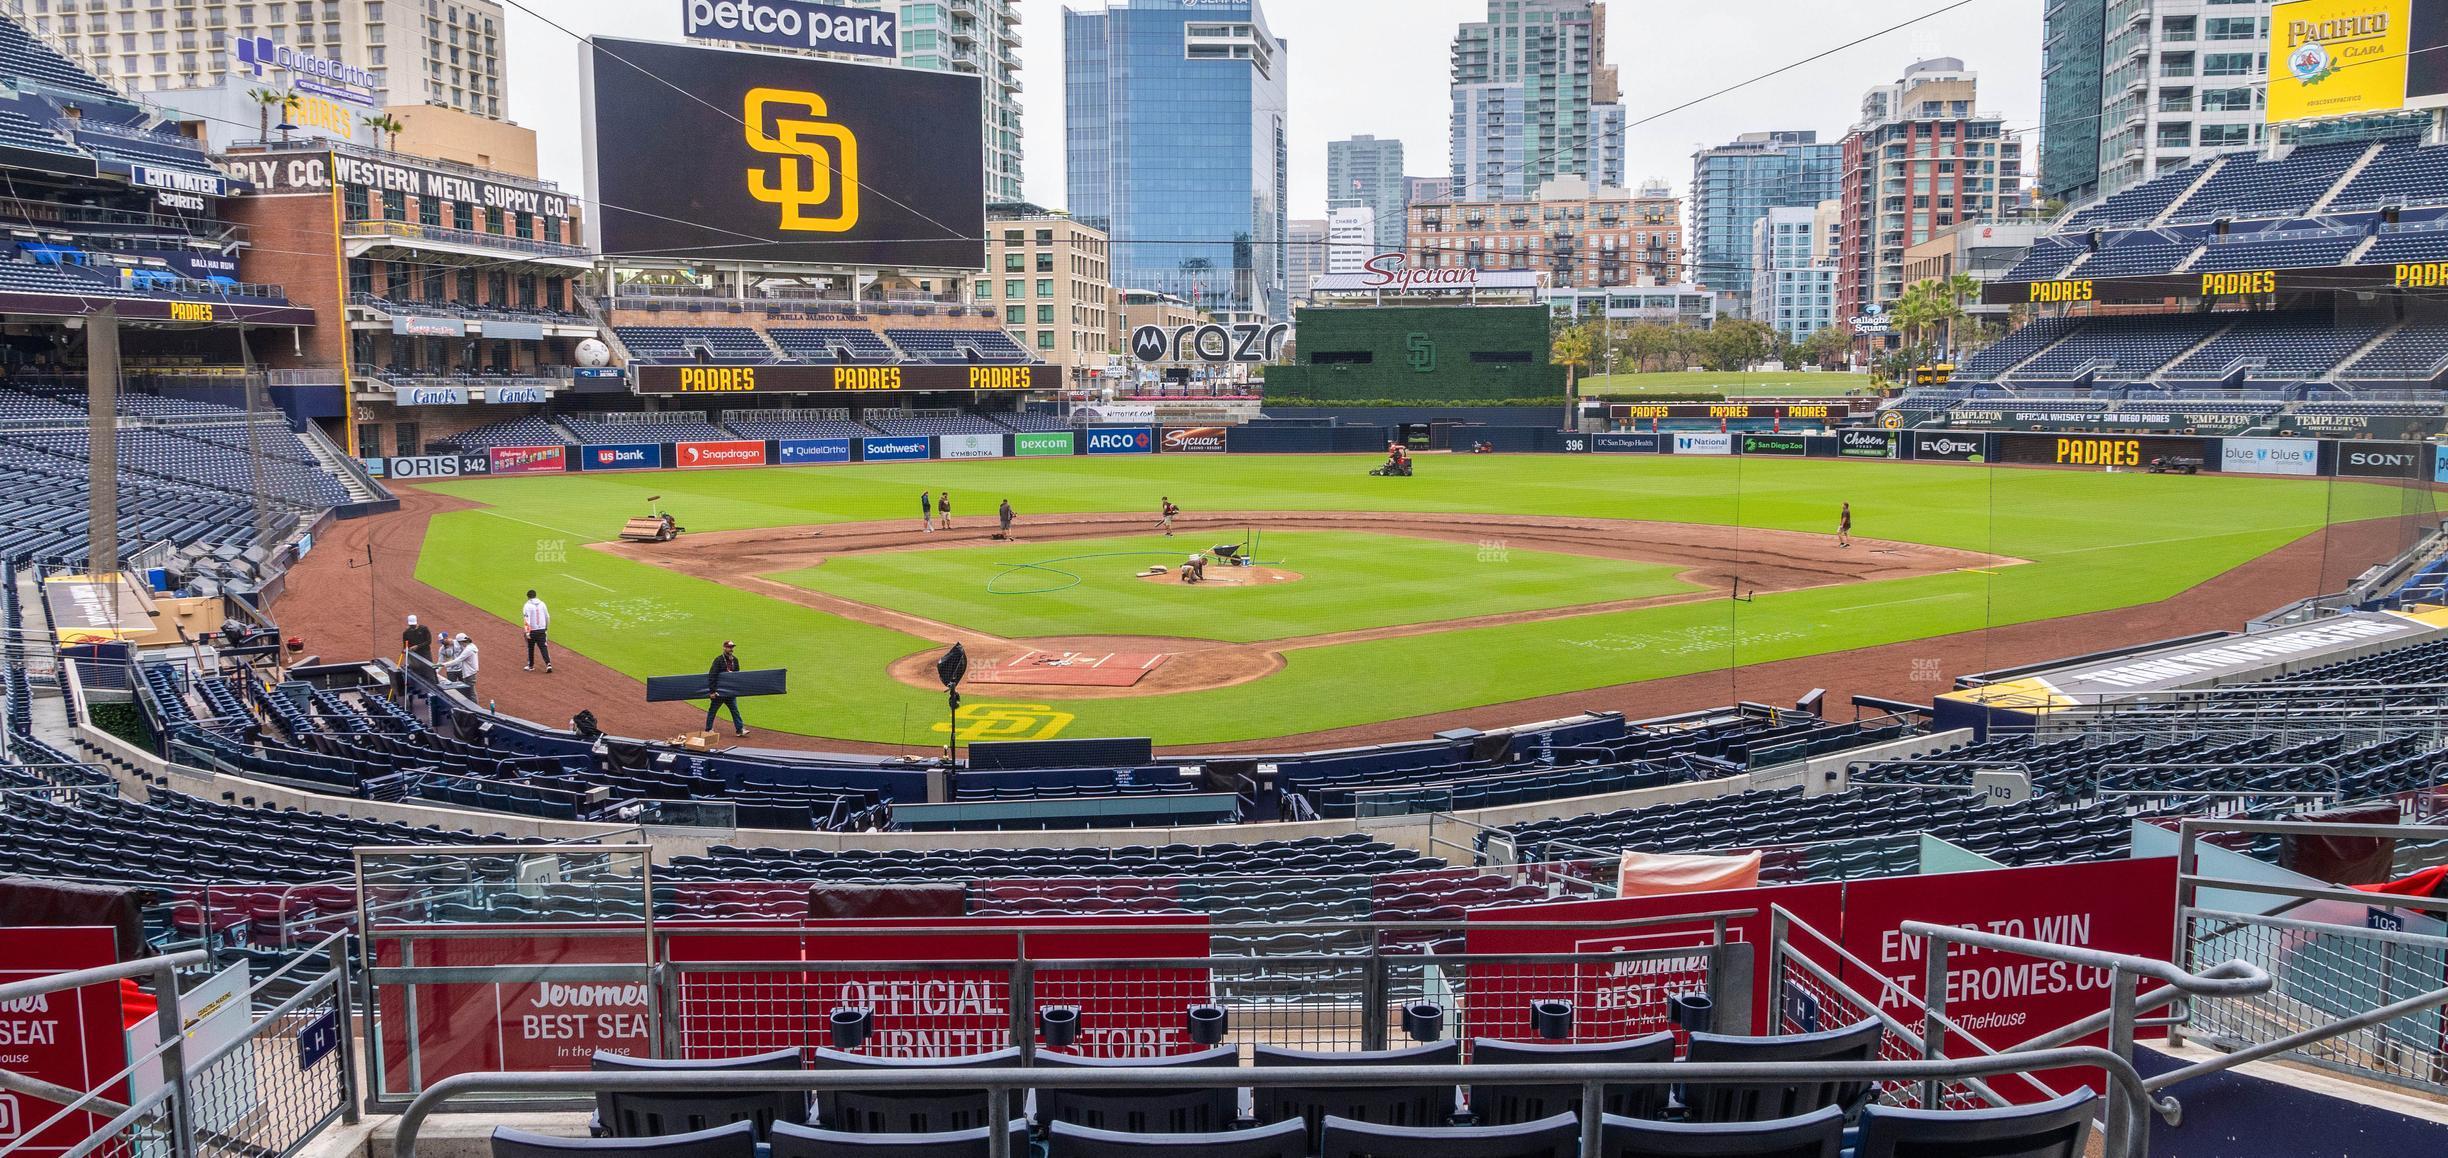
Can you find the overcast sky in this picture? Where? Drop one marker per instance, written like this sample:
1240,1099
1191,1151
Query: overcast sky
1379,66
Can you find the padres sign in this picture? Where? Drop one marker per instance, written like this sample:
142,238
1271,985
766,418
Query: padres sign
700,153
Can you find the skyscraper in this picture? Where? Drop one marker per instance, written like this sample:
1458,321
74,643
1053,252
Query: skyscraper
1367,171
1534,99
1920,159
1735,185
1178,147
1307,256
2153,85
1351,238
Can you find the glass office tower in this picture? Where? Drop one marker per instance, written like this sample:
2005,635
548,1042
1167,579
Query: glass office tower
1177,147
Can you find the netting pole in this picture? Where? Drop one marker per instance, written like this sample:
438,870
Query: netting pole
102,441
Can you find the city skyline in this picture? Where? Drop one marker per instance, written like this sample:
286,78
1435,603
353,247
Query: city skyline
1999,38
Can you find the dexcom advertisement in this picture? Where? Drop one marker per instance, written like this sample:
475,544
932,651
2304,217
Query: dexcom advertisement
747,156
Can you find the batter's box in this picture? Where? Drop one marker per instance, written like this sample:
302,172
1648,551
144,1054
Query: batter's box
1077,669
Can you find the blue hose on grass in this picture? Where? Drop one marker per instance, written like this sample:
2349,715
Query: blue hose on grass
1068,579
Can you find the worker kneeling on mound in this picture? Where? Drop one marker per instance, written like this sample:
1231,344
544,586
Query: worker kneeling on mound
1194,569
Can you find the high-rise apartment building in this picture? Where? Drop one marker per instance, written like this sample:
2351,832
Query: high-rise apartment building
1576,235
2130,88
1046,275
1921,158
1793,272
1307,256
1366,171
1734,186
379,52
1534,99
1424,189
1178,146
1351,238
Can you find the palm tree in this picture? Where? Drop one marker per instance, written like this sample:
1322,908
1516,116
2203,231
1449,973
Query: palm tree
386,129
1572,348
264,99
290,102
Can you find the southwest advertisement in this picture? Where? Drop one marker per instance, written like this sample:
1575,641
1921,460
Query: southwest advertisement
798,159
893,449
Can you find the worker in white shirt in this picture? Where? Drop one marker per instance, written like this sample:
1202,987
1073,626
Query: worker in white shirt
537,618
460,663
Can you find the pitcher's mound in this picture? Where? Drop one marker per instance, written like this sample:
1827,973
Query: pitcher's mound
1221,576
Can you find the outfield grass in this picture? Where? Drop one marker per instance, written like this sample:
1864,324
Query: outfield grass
1348,581
1816,383
2095,541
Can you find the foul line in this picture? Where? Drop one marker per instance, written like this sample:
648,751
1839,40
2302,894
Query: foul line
590,583
1900,602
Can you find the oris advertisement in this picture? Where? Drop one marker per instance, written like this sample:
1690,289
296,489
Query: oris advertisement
2381,459
692,455
808,451
1119,440
1947,446
892,449
620,456
1625,443
1867,443
1194,439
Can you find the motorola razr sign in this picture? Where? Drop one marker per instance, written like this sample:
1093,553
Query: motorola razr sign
793,24
1241,342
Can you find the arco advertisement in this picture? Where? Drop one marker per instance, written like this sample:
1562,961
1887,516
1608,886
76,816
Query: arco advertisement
620,456
1194,440
809,451
1043,444
528,459
698,455
968,446
894,449
1119,440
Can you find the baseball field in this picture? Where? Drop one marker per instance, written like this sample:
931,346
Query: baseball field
1485,580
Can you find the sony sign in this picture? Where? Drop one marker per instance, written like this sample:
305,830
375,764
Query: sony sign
1241,342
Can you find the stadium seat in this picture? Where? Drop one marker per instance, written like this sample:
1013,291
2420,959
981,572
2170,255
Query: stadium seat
1557,1136
1817,1134
1281,1140
2058,1128
1428,1105
1508,1105
871,1110
652,1113
1140,1109
737,1140
1734,1102
795,1141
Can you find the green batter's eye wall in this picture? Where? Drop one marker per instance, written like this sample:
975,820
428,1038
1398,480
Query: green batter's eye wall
1420,353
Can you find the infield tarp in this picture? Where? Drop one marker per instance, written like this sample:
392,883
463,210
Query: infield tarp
2208,663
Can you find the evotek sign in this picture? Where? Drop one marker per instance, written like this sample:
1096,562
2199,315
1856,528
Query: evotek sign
759,157
1948,447
1241,342
793,24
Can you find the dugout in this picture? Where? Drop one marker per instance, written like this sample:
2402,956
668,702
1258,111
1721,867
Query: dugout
1426,353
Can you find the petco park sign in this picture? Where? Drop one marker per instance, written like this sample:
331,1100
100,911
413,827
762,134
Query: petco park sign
793,24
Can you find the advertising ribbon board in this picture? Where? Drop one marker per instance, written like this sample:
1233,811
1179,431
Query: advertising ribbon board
527,460
1120,440
1194,440
1625,443
697,455
968,446
1703,442
1790,445
620,456
807,451
2380,459
894,449
2290,456
1040,444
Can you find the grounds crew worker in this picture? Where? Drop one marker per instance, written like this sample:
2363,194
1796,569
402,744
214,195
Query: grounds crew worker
537,619
726,662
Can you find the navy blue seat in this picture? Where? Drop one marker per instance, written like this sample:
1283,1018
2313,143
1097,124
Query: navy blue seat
2058,1128
912,1111
1424,1105
1761,1101
1505,1105
1281,1140
655,1113
1557,1136
737,1140
1818,1134
1142,1110
792,1141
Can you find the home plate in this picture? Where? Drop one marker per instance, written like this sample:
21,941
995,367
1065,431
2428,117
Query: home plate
1112,669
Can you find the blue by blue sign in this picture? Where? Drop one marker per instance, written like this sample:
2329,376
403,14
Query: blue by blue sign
793,24
1120,440
801,451
318,1038
1624,443
621,456
2439,463
893,449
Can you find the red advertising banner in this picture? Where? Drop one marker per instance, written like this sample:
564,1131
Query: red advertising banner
963,1006
688,455
1614,1001
477,1027
1194,440
2117,906
74,1039
530,459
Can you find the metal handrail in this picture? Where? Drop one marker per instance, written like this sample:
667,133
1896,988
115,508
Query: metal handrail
1003,1084
2248,979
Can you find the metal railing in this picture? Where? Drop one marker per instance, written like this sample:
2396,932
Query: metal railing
1005,1088
380,227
